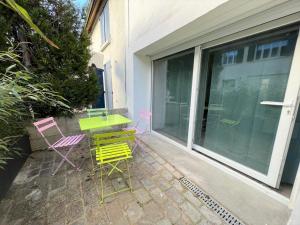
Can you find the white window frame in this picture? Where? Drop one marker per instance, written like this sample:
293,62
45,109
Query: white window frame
108,85
283,134
105,26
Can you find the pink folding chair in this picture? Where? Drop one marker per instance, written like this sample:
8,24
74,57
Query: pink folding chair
144,121
63,142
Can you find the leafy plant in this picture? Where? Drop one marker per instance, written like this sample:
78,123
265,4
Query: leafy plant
65,68
11,4
18,90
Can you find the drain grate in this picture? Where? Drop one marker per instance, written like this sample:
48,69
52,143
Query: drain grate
210,203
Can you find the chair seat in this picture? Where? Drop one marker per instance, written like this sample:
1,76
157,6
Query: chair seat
101,130
112,153
68,141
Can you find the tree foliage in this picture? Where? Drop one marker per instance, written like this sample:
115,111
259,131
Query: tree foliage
23,50
65,68
19,89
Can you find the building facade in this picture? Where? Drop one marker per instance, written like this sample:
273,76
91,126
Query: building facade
108,35
221,78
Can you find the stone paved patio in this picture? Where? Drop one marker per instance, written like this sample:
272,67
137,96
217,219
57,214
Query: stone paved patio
72,197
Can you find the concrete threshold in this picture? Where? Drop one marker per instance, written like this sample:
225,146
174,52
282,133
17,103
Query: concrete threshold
249,204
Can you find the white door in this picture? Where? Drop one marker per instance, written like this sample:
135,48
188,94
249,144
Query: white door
248,101
108,88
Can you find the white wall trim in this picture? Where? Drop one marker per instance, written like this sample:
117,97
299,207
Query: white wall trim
296,190
104,45
229,33
194,96
231,163
169,140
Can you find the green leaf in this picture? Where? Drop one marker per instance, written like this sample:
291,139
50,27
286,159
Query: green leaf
26,17
16,94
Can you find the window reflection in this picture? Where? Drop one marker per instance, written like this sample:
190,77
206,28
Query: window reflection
172,81
235,79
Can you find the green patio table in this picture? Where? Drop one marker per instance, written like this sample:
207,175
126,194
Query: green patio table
99,122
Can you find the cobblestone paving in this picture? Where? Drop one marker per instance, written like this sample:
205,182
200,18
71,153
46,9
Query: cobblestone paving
72,197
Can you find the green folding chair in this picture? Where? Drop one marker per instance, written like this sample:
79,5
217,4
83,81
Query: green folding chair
97,112
112,149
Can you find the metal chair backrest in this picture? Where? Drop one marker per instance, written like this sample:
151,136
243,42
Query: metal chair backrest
97,112
125,136
144,117
44,124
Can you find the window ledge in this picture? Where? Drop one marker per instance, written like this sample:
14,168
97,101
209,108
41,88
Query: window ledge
104,45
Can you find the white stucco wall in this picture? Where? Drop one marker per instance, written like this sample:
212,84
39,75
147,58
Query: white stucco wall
148,22
157,26
152,20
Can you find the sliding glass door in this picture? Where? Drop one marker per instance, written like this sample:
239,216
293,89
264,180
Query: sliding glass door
247,96
172,80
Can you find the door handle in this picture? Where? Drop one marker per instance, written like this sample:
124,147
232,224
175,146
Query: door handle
276,104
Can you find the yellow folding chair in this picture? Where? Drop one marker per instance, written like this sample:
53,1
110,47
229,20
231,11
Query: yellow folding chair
111,150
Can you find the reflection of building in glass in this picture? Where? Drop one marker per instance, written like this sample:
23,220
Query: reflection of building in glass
256,52
234,123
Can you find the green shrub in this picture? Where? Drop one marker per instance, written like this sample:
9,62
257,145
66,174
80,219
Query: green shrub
19,89
66,68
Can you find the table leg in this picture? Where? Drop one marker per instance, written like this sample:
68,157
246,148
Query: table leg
91,155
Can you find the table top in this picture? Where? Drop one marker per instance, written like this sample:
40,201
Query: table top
99,122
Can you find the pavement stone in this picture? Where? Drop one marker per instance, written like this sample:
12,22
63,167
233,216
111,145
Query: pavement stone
149,159
135,183
56,213
167,175
191,212
158,196
157,166
125,198
204,222
164,222
160,160
162,183
172,211
5,206
72,197
176,196
193,199
115,213
177,185
74,211
58,181
177,175
96,214
184,220
134,212
148,183
142,195
210,215
119,183
80,221
169,167
153,212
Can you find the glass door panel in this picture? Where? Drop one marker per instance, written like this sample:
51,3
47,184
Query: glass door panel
242,86
172,80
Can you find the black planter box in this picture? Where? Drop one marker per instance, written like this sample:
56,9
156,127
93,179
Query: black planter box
13,166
